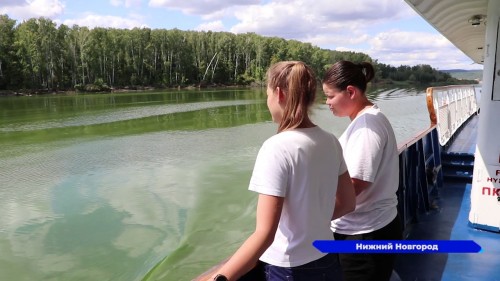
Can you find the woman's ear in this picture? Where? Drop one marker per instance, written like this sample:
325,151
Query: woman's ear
351,90
281,95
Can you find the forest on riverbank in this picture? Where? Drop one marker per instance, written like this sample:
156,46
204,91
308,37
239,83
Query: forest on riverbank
37,56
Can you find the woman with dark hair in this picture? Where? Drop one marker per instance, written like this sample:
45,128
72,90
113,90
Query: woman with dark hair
302,183
370,151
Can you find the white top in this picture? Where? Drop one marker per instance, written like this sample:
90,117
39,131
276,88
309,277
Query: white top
371,154
303,166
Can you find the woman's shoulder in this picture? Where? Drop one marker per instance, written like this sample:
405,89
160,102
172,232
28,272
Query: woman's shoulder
300,133
372,116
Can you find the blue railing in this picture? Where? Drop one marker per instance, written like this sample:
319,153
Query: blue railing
420,175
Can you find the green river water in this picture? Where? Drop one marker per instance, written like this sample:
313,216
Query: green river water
143,185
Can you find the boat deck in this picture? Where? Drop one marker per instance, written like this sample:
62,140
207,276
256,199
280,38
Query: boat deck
448,220
466,139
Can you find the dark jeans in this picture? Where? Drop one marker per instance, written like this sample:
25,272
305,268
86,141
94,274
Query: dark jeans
256,274
325,268
370,267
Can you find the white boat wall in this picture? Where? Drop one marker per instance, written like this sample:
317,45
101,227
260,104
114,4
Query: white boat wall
473,26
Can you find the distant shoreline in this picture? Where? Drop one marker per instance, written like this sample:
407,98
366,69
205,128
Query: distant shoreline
131,89
39,92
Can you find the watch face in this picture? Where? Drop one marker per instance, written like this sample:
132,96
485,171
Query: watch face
220,277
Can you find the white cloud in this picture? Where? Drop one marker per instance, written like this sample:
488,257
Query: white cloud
93,20
126,3
13,3
32,9
212,26
397,47
316,22
339,40
197,7
116,3
405,41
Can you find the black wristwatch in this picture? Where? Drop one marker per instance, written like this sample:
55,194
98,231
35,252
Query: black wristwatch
220,277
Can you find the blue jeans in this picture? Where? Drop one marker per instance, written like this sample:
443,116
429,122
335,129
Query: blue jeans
325,268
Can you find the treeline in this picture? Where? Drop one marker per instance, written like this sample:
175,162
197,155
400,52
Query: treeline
39,55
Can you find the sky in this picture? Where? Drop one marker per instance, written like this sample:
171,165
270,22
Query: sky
387,30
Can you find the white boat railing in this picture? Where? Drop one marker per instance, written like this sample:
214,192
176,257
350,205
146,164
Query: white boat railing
449,107
420,165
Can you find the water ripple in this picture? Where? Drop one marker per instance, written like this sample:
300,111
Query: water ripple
119,115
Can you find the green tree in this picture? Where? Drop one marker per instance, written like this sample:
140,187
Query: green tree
8,59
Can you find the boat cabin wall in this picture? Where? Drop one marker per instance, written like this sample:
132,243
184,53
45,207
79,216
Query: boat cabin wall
485,199
489,130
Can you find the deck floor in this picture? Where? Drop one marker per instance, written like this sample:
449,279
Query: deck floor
449,220
466,139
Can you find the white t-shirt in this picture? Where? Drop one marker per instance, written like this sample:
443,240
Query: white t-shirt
303,166
370,151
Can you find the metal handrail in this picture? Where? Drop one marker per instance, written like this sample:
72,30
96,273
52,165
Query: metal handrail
449,107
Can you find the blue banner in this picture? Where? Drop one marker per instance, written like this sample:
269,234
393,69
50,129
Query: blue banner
397,246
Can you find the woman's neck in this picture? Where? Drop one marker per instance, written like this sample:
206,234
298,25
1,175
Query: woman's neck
360,109
306,123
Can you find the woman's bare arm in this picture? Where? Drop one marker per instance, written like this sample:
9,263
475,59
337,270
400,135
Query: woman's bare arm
345,201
